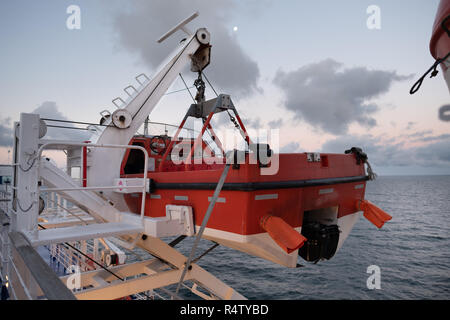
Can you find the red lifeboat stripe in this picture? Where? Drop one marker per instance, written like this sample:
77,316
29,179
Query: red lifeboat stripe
372,213
282,233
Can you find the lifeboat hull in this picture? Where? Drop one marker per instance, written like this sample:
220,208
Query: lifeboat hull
440,40
325,190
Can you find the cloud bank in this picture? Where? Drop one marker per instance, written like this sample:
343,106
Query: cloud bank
435,152
144,22
49,110
291,147
329,97
6,137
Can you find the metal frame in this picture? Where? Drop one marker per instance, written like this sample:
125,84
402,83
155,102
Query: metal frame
85,145
151,274
203,110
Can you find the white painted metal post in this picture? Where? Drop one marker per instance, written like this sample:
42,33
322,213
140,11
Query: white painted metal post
54,206
95,253
64,205
26,214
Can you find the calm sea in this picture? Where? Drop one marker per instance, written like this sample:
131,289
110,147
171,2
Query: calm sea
412,251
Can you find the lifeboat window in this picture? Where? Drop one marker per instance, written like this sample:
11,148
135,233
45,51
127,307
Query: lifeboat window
135,161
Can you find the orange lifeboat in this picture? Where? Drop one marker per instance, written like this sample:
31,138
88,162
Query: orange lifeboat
260,214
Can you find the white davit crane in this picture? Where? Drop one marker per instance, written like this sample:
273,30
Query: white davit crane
125,122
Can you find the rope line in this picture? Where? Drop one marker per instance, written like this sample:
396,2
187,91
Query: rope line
434,72
182,79
210,84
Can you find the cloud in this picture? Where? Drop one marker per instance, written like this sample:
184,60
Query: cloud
379,153
331,98
424,136
291,147
138,28
275,123
6,137
49,110
410,125
252,123
222,121
441,137
418,134
444,113
436,153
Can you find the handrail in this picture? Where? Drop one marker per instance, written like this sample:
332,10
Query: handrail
95,145
142,75
118,98
52,287
130,87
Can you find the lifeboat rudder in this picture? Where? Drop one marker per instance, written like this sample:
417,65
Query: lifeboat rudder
372,213
282,233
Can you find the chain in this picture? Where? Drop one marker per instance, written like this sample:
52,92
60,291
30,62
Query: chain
200,85
233,119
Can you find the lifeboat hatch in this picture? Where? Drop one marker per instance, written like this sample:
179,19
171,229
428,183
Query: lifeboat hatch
135,160
320,228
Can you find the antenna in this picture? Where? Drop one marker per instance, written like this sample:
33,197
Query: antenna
180,26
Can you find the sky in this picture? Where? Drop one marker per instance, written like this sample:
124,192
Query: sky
312,69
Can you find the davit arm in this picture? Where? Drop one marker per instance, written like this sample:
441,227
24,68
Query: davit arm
104,165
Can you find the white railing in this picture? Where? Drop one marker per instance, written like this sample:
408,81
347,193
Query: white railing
5,198
68,257
113,146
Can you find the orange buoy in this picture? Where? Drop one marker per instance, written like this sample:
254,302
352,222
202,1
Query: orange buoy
282,233
372,213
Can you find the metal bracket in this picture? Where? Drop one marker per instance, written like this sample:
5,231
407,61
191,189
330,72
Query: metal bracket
313,156
219,104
